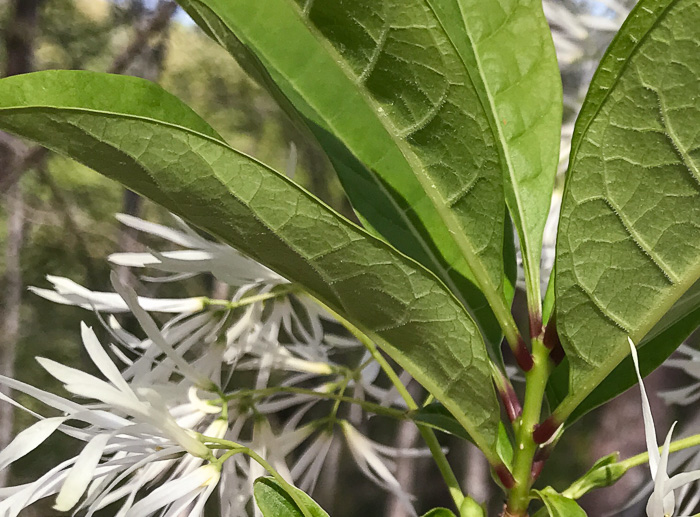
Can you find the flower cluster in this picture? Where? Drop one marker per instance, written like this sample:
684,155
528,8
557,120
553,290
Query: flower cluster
174,420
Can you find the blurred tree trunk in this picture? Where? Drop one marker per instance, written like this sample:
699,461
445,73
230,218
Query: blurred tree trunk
19,44
146,61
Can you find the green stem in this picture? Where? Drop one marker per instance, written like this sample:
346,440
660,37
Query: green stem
534,296
678,445
229,305
273,390
428,435
536,381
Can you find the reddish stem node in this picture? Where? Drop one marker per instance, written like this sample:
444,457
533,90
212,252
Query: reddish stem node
557,355
511,402
544,431
505,476
523,356
541,457
551,337
535,325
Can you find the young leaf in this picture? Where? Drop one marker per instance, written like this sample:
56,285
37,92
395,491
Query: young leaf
439,512
470,508
629,237
507,48
274,501
389,98
559,506
403,307
604,472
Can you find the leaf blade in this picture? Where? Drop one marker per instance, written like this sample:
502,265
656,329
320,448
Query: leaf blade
399,152
558,505
264,214
508,45
639,229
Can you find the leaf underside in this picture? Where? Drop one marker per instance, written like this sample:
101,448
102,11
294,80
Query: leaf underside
673,329
629,238
166,156
386,93
507,47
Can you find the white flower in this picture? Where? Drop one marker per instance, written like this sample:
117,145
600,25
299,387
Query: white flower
67,292
202,255
376,462
189,493
572,28
662,501
132,438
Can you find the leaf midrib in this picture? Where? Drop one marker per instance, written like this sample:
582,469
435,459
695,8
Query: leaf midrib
490,108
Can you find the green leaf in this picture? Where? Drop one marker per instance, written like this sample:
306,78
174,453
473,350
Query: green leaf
629,236
604,472
559,506
439,512
470,508
507,48
389,98
667,335
274,501
403,307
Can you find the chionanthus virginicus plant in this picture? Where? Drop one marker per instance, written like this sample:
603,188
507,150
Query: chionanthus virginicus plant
442,119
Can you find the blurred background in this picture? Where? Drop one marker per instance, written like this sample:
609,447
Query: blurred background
57,217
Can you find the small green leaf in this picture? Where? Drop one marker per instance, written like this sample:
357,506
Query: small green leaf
557,505
605,472
386,93
439,512
436,416
629,236
399,304
470,508
274,501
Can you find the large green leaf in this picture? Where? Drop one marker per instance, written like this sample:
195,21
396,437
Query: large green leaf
162,155
507,48
629,237
274,501
388,96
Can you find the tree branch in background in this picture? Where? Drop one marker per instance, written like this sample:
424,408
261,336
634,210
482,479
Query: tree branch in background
156,24
66,207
